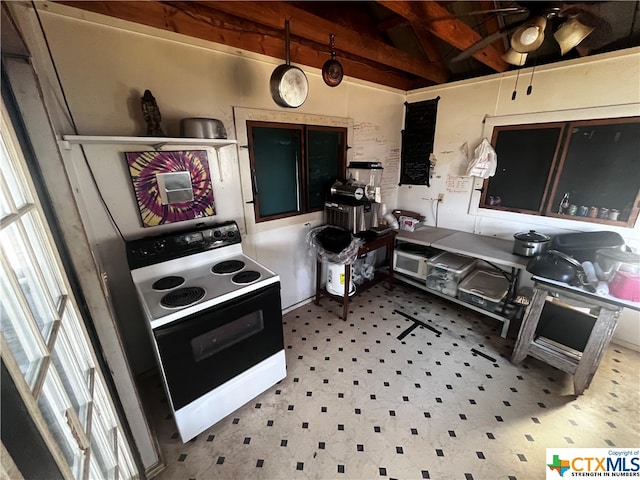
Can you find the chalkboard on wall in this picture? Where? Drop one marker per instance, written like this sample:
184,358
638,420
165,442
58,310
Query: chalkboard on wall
417,142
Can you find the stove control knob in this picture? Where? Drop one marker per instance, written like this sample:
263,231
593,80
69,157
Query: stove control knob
230,233
159,245
142,253
217,234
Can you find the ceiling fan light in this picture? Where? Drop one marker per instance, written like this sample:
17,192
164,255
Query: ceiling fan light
571,33
528,37
514,58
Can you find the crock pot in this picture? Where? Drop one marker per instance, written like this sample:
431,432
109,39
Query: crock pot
530,244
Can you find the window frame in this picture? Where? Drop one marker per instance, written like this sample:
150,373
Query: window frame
65,338
303,175
558,162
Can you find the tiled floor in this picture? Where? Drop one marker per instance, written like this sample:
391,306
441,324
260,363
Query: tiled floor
364,399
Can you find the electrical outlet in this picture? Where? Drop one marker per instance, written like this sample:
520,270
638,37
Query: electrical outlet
440,197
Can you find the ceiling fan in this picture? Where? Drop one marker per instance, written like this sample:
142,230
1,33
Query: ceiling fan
528,35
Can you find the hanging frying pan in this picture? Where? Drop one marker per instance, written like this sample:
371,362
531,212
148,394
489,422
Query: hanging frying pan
288,84
332,72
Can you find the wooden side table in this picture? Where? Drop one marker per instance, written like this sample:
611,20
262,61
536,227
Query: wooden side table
385,240
583,366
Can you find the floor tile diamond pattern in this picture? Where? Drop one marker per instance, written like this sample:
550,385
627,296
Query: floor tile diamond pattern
372,398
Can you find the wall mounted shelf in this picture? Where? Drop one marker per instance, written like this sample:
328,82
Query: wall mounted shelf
155,142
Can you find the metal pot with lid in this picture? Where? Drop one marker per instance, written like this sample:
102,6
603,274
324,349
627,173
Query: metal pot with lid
612,260
530,244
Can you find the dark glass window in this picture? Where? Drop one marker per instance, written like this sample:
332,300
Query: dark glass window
293,166
585,170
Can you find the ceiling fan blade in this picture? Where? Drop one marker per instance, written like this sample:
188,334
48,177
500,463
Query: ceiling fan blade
486,41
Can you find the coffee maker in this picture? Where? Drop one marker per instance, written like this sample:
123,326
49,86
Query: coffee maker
353,204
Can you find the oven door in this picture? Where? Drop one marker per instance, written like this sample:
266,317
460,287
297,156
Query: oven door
206,349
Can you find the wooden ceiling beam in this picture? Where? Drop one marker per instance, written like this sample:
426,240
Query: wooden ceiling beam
312,27
446,27
238,33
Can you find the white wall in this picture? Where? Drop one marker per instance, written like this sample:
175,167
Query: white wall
104,66
598,87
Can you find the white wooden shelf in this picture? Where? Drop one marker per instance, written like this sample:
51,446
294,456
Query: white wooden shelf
154,142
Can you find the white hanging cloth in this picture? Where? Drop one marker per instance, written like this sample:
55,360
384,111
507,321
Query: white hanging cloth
484,161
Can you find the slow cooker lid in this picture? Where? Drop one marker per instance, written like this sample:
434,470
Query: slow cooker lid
532,236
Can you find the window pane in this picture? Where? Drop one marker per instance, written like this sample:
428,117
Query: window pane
15,321
72,375
94,470
525,157
277,160
102,404
601,167
5,208
53,405
77,341
14,246
44,256
103,444
325,152
126,468
11,177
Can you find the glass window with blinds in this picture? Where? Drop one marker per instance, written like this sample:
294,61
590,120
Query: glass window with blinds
44,343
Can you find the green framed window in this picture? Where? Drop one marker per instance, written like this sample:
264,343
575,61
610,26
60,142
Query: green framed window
293,166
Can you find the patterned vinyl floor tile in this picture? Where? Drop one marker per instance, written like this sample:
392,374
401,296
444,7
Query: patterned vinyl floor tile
371,398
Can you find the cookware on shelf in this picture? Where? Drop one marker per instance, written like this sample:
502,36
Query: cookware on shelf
530,244
612,261
583,245
202,128
558,266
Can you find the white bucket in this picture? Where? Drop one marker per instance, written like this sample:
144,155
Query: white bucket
336,280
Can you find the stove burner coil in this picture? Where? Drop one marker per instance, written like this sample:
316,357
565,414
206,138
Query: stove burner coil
182,297
167,283
228,266
247,276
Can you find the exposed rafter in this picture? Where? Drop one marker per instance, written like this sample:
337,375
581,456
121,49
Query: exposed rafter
404,44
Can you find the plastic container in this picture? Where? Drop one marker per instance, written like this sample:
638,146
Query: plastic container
625,285
445,271
484,289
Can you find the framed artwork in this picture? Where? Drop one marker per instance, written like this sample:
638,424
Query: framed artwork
171,186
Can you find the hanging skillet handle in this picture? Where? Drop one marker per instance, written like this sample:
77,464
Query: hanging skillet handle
332,40
286,42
